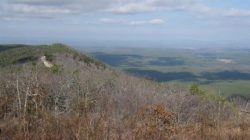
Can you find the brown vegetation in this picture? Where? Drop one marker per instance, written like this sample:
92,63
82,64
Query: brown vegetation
79,101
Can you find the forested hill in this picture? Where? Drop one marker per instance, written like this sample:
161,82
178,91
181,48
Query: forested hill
14,54
55,92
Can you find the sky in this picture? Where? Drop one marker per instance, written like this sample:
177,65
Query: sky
78,21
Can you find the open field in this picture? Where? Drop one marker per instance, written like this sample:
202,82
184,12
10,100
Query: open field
224,71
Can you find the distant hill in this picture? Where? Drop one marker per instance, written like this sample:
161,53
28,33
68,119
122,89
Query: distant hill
14,54
8,47
81,98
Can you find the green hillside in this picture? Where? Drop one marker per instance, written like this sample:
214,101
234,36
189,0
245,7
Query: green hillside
16,54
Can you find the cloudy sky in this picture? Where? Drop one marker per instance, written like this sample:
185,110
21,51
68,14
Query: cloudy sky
37,21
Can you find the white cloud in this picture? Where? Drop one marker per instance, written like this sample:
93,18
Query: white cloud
137,23
152,5
157,21
237,13
5,18
131,22
193,6
22,8
55,8
147,22
132,8
218,12
41,2
112,21
51,8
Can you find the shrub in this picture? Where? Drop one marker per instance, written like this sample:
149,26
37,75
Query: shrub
56,69
195,90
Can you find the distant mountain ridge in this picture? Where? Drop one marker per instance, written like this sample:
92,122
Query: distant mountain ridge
12,54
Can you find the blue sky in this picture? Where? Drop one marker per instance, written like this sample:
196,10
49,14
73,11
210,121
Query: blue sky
76,21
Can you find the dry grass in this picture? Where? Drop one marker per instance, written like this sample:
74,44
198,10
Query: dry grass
83,102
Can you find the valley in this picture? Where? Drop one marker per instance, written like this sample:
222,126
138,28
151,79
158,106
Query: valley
224,71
